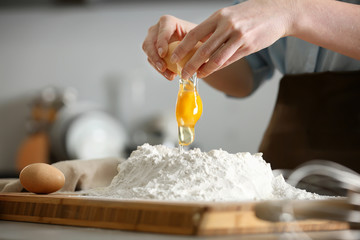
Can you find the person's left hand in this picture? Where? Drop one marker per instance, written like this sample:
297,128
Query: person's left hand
168,29
235,32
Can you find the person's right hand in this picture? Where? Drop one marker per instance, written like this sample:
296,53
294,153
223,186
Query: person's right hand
234,32
155,45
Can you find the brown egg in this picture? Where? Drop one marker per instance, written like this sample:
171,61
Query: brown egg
42,178
176,68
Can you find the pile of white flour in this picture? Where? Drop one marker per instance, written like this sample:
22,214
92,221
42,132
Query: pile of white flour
162,173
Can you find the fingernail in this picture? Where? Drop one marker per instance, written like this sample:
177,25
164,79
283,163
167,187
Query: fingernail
159,66
185,75
174,58
160,51
167,75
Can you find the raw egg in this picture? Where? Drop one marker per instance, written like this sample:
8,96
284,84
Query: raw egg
189,104
41,178
188,111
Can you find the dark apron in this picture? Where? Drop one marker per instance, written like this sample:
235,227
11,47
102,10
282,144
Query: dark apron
316,116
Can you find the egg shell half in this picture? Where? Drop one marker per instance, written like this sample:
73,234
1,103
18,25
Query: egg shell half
177,67
42,178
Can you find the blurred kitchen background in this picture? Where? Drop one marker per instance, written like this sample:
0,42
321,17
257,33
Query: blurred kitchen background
83,60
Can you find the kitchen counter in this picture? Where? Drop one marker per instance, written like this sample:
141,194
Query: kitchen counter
22,230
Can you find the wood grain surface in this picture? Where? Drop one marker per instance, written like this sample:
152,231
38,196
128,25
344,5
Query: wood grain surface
149,216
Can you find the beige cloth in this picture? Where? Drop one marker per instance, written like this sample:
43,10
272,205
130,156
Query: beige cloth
10,185
79,175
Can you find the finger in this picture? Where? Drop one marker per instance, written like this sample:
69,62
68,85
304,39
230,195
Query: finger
237,56
220,57
167,73
242,52
198,33
201,56
150,38
149,47
166,30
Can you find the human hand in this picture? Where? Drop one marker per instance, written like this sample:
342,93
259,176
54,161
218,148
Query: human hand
234,32
168,29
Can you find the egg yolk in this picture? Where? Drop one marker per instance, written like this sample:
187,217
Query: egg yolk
188,111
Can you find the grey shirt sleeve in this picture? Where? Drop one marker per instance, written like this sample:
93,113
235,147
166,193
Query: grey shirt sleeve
261,66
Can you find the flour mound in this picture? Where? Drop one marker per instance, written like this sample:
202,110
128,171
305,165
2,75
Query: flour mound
162,173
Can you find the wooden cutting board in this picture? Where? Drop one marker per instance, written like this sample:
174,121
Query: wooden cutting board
148,216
